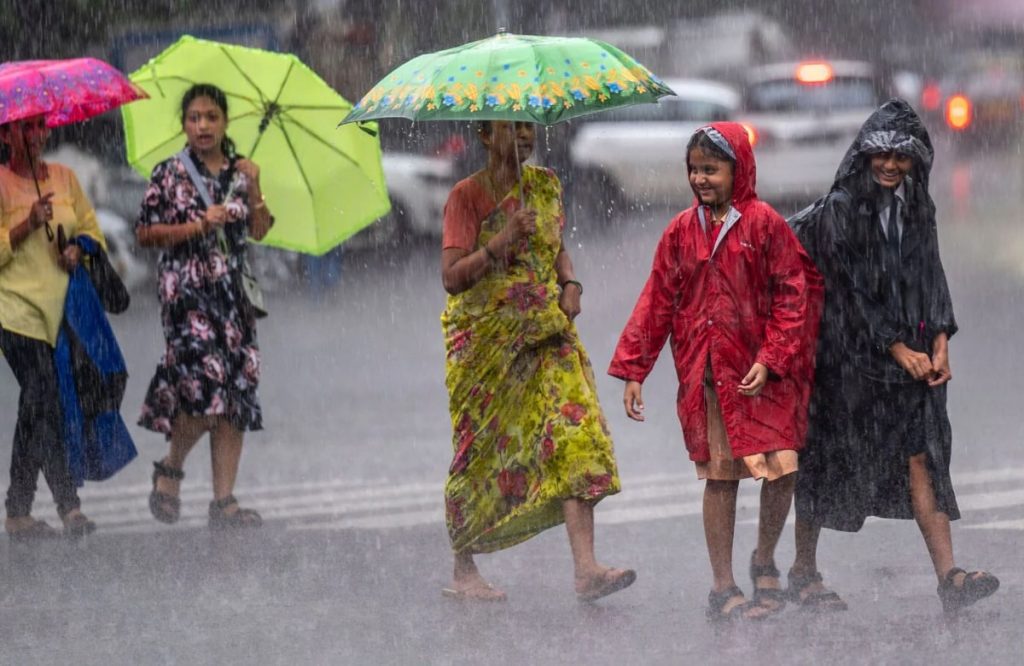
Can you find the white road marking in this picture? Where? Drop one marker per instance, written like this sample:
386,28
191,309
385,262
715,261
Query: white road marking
380,504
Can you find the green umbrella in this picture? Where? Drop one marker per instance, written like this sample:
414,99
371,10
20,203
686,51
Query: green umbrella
512,77
322,183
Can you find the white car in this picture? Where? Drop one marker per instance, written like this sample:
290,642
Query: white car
637,154
418,186
802,117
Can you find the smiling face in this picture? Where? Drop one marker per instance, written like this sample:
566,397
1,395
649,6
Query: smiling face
205,125
710,178
889,169
26,137
503,138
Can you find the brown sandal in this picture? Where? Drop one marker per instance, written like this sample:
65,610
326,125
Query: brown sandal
242,518
39,530
77,526
165,508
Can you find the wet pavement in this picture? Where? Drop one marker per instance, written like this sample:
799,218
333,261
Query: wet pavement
350,468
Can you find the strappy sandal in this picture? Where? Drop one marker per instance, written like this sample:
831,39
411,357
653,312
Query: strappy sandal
770,598
77,526
165,508
976,586
608,582
243,518
39,530
826,600
718,600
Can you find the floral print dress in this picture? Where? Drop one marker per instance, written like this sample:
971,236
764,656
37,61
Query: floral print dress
211,362
528,430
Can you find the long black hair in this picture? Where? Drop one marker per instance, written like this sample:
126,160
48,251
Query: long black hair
227,146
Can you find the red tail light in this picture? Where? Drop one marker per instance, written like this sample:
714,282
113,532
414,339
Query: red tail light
752,135
959,112
931,97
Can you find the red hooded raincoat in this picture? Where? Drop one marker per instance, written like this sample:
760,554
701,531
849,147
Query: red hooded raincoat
754,297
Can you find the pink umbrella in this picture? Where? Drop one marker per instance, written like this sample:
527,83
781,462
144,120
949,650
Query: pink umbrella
66,91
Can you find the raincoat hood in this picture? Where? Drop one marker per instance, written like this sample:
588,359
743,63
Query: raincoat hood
732,139
894,126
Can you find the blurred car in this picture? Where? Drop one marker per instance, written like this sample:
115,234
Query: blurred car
637,154
724,46
418,186
980,97
801,117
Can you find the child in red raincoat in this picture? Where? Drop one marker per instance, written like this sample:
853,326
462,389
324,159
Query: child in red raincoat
740,299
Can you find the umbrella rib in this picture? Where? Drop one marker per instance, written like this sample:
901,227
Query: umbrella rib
318,138
295,156
157,80
244,75
284,81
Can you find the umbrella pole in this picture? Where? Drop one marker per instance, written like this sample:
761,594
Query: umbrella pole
35,181
519,174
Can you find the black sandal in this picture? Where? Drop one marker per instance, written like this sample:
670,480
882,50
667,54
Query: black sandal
165,508
718,600
243,518
775,598
826,600
976,586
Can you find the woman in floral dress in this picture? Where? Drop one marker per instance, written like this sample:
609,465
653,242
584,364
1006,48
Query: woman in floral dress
207,378
532,448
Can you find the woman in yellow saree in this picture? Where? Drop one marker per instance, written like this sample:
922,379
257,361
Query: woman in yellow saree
532,447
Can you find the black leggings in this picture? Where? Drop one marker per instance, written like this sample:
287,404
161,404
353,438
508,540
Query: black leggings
38,435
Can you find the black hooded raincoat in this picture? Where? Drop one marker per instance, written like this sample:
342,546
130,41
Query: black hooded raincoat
868,416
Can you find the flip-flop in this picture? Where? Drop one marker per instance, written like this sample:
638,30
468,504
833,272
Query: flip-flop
612,580
484,592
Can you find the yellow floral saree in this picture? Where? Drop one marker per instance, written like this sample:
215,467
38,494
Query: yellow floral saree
528,430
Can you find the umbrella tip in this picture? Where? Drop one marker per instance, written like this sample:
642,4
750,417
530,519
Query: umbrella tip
367,128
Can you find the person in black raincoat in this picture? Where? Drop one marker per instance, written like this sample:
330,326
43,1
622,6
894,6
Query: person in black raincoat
879,439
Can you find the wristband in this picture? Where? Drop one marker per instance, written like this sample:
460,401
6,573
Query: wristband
578,285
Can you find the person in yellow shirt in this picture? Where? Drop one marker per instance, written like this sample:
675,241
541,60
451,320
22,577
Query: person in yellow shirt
36,198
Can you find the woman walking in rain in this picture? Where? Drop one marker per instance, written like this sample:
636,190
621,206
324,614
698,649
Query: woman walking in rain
879,440
740,299
208,376
33,286
531,443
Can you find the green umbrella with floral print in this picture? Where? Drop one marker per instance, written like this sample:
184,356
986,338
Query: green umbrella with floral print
529,78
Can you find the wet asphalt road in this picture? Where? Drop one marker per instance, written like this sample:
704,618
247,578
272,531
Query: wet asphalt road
350,468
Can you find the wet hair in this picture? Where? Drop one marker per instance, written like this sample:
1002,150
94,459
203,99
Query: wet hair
217,96
700,140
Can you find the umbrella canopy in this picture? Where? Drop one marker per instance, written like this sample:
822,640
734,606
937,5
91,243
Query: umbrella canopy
512,77
323,183
65,91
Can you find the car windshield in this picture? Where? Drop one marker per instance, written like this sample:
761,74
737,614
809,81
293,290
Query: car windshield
792,95
668,109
